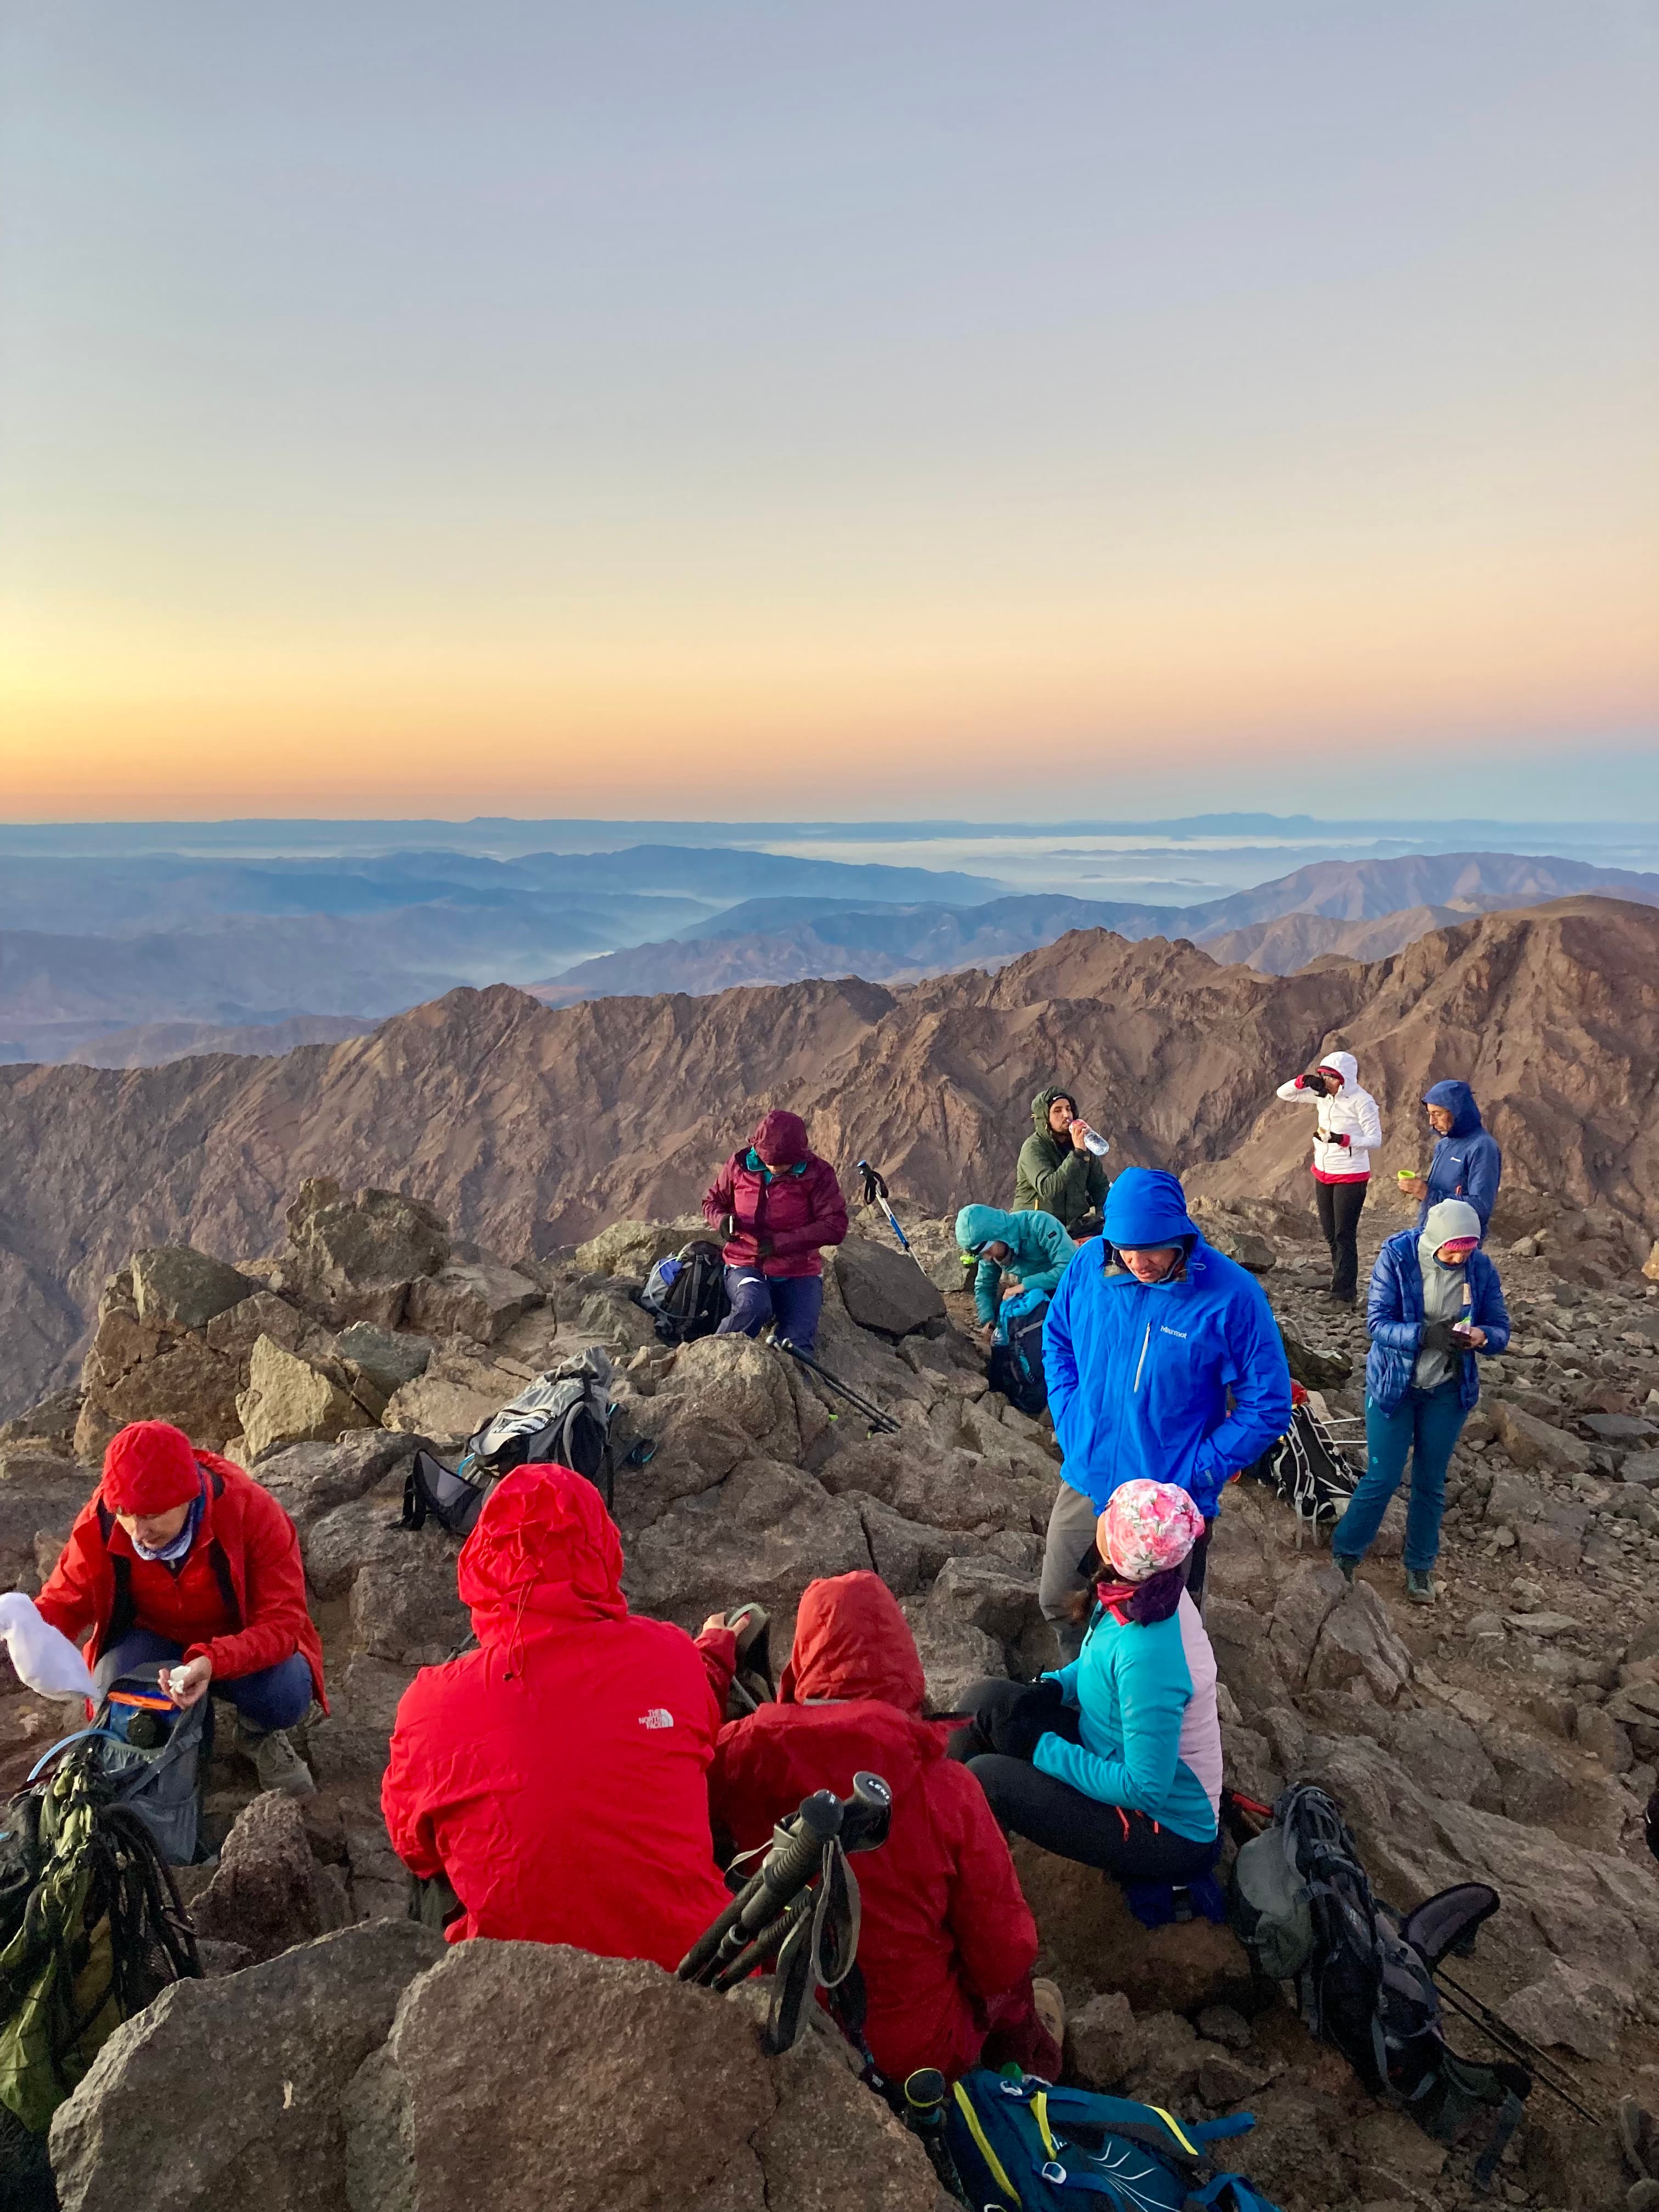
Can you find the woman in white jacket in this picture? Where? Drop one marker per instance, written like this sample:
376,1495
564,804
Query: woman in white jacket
1349,1129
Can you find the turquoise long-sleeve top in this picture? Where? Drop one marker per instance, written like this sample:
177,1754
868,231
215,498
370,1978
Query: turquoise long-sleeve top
1039,1253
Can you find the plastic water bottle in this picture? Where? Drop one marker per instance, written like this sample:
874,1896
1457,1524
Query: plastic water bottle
1095,1143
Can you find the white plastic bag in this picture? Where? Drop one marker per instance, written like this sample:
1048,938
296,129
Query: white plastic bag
45,1658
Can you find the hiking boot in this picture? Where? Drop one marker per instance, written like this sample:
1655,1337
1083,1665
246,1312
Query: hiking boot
276,1761
1050,2009
1636,2138
1420,1586
1344,1565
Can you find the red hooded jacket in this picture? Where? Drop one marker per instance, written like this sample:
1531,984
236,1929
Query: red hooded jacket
797,1211
558,1775
946,1930
240,1594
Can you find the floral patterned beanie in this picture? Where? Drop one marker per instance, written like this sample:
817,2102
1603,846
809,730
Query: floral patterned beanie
1147,1528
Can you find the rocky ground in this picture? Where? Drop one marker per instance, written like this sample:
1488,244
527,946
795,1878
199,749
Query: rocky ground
1510,1734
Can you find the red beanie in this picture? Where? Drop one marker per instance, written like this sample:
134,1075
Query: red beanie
149,1467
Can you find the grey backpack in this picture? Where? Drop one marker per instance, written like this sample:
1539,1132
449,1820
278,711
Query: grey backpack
563,1416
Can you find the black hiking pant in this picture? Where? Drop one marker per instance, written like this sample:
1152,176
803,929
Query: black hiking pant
1125,1844
1339,1208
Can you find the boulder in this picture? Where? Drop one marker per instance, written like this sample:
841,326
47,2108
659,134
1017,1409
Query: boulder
176,1287
386,1359
1356,1642
366,1531
884,1288
1642,1467
477,1300
454,1396
832,2146
50,1419
267,1892
1305,1600
1314,1368
632,1248
1569,2008
347,1749
184,1382
1104,2042
1092,1942
245,2074
1532,1444
289,1401
234,1333
407,1609
309,1480
953,1653
907,1554
356,1258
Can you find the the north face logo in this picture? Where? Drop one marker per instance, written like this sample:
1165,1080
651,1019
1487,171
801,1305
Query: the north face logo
658,1718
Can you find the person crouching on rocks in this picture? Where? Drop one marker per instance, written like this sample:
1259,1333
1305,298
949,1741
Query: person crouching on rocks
1030,1247
179,1556
1348,1129
1116,1760
1170,1367
777,1204
1435,1302
556,1777
947,1940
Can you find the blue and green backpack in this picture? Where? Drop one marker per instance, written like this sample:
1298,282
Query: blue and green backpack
1021,2145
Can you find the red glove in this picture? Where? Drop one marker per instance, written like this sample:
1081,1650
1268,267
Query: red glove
1301,1082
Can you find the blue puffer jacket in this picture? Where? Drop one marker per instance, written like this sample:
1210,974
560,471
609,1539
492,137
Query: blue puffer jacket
1469,1162
1394,1315
1039,1253
1138,1373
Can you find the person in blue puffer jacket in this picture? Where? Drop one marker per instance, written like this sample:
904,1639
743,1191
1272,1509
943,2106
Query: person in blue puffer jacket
1435,1303
1032,1248
1141,1360
1468,1161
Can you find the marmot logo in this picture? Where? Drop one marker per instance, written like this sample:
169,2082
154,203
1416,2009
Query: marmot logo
659,1717
1165,1329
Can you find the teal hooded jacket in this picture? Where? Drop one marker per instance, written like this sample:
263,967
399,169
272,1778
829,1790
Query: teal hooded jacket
1039,1252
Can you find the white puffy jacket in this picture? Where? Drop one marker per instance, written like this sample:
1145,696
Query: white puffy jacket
1352,1112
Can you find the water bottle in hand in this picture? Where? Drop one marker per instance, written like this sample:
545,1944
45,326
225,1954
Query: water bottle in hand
1095,1143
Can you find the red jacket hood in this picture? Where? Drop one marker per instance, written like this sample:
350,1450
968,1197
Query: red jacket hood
852,1641
544,1555
781,1140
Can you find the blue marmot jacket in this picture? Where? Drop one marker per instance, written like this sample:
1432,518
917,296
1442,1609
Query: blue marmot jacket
1469,1162
1138,1374
1394,1316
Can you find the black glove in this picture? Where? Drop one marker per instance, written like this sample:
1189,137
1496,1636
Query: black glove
1028,1719
1332,1137
1436,1337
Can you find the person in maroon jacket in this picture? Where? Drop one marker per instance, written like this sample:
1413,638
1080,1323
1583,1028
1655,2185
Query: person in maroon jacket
947,1942
777,1204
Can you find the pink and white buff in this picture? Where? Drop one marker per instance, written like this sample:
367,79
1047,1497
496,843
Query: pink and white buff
1148,1528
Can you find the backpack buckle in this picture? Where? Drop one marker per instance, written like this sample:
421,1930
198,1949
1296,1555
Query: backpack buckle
1054,2171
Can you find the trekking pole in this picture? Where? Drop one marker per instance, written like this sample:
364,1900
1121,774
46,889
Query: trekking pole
879,1421
875,1194
925,2092
1520,2047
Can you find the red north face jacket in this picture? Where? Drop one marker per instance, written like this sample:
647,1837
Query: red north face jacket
797,1212
558,1776
946,1929
239,1596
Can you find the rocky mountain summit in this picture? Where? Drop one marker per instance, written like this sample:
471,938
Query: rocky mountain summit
338,2058
529,1129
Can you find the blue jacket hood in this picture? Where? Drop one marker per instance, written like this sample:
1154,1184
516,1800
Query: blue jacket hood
1458,1100
1147,1205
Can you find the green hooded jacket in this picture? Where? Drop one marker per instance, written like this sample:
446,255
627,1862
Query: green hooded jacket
1054,1177
1039,1252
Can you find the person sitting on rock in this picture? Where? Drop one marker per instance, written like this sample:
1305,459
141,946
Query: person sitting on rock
1468,1161
947,1942
1030,1247
1347,1130
1435,1302
1116,1760
777,1204
181,1556
556,1777
1142,1361
1057,1173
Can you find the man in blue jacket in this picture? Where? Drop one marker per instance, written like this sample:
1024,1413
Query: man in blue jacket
1468,1161
1141,1360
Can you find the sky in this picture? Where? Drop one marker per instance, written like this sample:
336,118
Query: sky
733,411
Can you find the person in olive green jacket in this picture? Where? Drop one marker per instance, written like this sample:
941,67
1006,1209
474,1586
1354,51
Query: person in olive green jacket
1057,1173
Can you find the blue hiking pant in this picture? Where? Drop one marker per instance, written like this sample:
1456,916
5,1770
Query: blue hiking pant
1424,1427
276,1698
793,1302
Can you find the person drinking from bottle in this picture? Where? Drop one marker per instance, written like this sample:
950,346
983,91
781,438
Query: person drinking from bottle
777,1204
557,1776
1435,1304
180,1557
1115,1759
947,1940
1060,1169
1347,1130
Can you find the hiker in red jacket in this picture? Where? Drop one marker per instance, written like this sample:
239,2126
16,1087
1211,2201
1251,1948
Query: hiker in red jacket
179,1555
777,1203
557,1776
947,1940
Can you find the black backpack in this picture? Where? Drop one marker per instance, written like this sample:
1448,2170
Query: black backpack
1310,1470
685,1294
1302,1905
1016,1368
563,1416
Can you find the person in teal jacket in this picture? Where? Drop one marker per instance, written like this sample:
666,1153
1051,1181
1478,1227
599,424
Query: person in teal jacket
1116,1760
1032,1248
